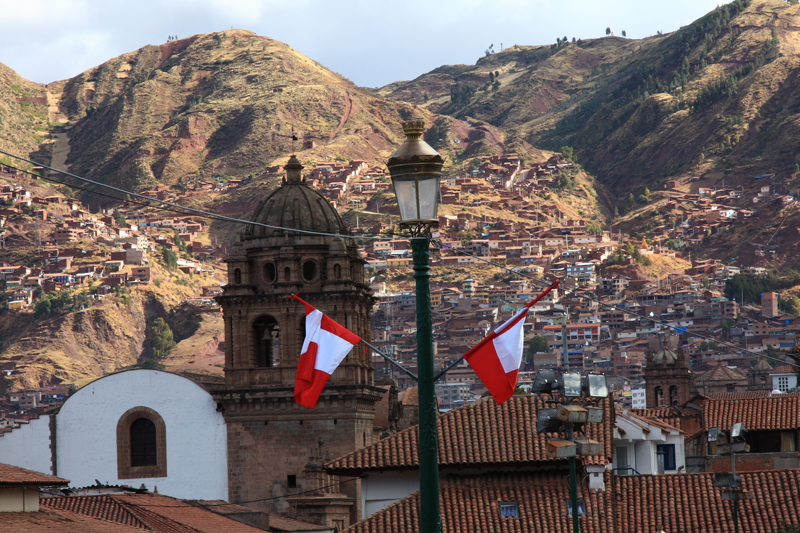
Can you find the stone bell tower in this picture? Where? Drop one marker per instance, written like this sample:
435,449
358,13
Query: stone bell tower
668,381
270,437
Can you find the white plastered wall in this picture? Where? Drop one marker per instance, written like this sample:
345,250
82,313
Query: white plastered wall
196,434
28,446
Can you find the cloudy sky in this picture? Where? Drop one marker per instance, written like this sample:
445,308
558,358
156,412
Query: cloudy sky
372,42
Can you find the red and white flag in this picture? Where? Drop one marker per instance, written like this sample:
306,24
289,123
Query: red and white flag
326,344
497,358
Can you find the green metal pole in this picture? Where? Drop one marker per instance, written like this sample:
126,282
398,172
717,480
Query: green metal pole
430,520
564,338
573,493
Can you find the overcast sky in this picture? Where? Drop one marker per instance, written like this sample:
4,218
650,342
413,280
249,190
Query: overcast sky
372,42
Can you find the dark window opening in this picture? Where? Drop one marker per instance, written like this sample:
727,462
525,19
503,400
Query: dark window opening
509,509
334,421
291,481
673,395
301,422
581,507
659,393
266,333
309,270
143,443
669,455
337,271
765,441
269,272
287,274
237,277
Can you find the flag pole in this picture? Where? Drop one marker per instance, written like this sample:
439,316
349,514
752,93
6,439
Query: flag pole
395,363
454,363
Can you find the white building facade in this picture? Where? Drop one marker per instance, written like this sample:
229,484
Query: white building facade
130,428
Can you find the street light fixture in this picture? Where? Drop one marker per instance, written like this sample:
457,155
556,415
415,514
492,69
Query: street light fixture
416,170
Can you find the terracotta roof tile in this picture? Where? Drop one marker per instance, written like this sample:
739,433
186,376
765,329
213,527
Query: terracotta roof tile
667,415
59,521
472,504
14,475
479,433
774,413
153,511
690,502
739,395
681,502
105,507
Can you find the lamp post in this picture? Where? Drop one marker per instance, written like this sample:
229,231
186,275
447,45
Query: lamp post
416,170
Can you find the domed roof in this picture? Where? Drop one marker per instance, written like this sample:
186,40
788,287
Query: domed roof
295,205
665,357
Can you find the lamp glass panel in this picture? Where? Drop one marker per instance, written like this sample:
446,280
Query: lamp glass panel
572,384
597,386
547,421
544,381
428,195
406,193
737,430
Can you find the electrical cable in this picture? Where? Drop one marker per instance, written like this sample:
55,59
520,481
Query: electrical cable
582,294
198,212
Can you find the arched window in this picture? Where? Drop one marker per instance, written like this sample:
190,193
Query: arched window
141,444
673,395
287,274
337,271
309,270
237,277
269,272
659,393
266,332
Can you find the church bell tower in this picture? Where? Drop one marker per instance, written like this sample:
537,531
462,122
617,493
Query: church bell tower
270,437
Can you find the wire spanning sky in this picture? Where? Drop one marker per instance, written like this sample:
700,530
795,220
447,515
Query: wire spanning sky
371,42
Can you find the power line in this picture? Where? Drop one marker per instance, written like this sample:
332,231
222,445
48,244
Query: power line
587,296
199,212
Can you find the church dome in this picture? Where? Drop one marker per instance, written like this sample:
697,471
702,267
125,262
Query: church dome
665,357
295,205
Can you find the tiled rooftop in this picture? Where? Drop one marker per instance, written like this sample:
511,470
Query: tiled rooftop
775,413
14,475
480,433
471,504
58,521
679,503
690,502
150,511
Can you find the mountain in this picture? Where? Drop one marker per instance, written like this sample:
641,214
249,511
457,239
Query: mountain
221,104
716,96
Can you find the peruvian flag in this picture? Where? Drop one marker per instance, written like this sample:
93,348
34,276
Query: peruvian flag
326,344
497,358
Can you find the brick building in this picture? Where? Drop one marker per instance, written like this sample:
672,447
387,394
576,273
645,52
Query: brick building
274,444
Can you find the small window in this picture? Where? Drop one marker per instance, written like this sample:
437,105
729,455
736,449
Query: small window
291,481
269,272
337,271
509,509
309,271
287,274
237,277
581,507
669,455
143,443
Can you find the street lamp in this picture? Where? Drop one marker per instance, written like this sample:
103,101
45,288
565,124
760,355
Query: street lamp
416,170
